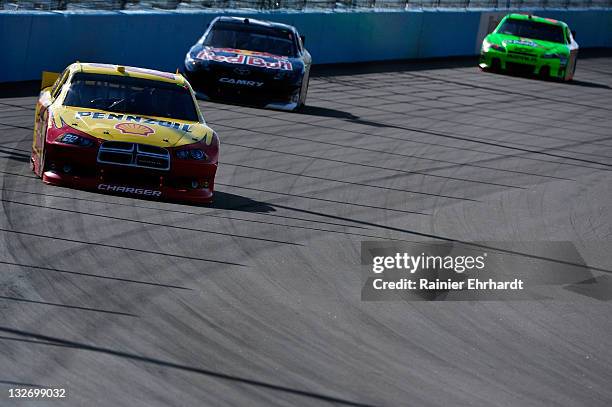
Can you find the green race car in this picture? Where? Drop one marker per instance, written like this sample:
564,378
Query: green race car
530,44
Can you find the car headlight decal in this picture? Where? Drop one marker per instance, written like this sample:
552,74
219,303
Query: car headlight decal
487,46
555,55
191,154
182,154
75,140
197,154
552,56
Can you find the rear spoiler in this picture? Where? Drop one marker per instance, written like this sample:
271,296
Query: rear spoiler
48,79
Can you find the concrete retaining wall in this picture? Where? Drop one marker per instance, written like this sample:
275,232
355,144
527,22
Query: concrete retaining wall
35,41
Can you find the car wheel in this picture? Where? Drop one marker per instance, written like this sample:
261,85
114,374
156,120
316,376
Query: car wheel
545,73
303,93
573,71
495,65
42,162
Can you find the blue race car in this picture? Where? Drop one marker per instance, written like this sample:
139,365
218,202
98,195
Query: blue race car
252,62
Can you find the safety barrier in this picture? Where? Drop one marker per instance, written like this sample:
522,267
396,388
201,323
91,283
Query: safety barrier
35,41
293,4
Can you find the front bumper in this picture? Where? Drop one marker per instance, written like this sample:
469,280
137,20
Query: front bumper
276,95
532,65
185,181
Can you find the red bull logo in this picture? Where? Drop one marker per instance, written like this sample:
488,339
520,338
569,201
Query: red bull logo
246,58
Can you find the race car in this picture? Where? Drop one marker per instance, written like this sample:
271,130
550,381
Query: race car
529,44
249,61
124,130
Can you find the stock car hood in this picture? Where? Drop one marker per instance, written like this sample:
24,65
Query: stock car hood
157,131
205,56
538,47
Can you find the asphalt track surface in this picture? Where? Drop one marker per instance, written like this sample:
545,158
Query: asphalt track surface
256,300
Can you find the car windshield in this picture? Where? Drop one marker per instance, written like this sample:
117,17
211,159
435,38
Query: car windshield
251,37
533,30
124,94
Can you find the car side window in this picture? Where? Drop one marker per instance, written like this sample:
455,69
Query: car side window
568,36
59,84
300,45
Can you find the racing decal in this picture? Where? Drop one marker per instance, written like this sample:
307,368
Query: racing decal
135,119
245,52
128,190
262,60
134,128
243,82
276,64
211,56
522,41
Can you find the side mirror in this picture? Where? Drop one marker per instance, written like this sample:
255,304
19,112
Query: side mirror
303,38
574,34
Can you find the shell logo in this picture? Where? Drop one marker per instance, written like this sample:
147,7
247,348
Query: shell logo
134,128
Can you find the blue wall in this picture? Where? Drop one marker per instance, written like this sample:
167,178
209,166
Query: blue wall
37,41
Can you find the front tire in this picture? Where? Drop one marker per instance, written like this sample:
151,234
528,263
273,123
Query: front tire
42,162
496,66
544,73
571,76
303,94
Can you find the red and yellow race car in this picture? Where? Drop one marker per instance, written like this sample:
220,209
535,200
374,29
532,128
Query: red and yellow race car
124,130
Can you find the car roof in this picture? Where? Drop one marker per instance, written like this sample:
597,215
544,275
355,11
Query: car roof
131,71
537,19
264,23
